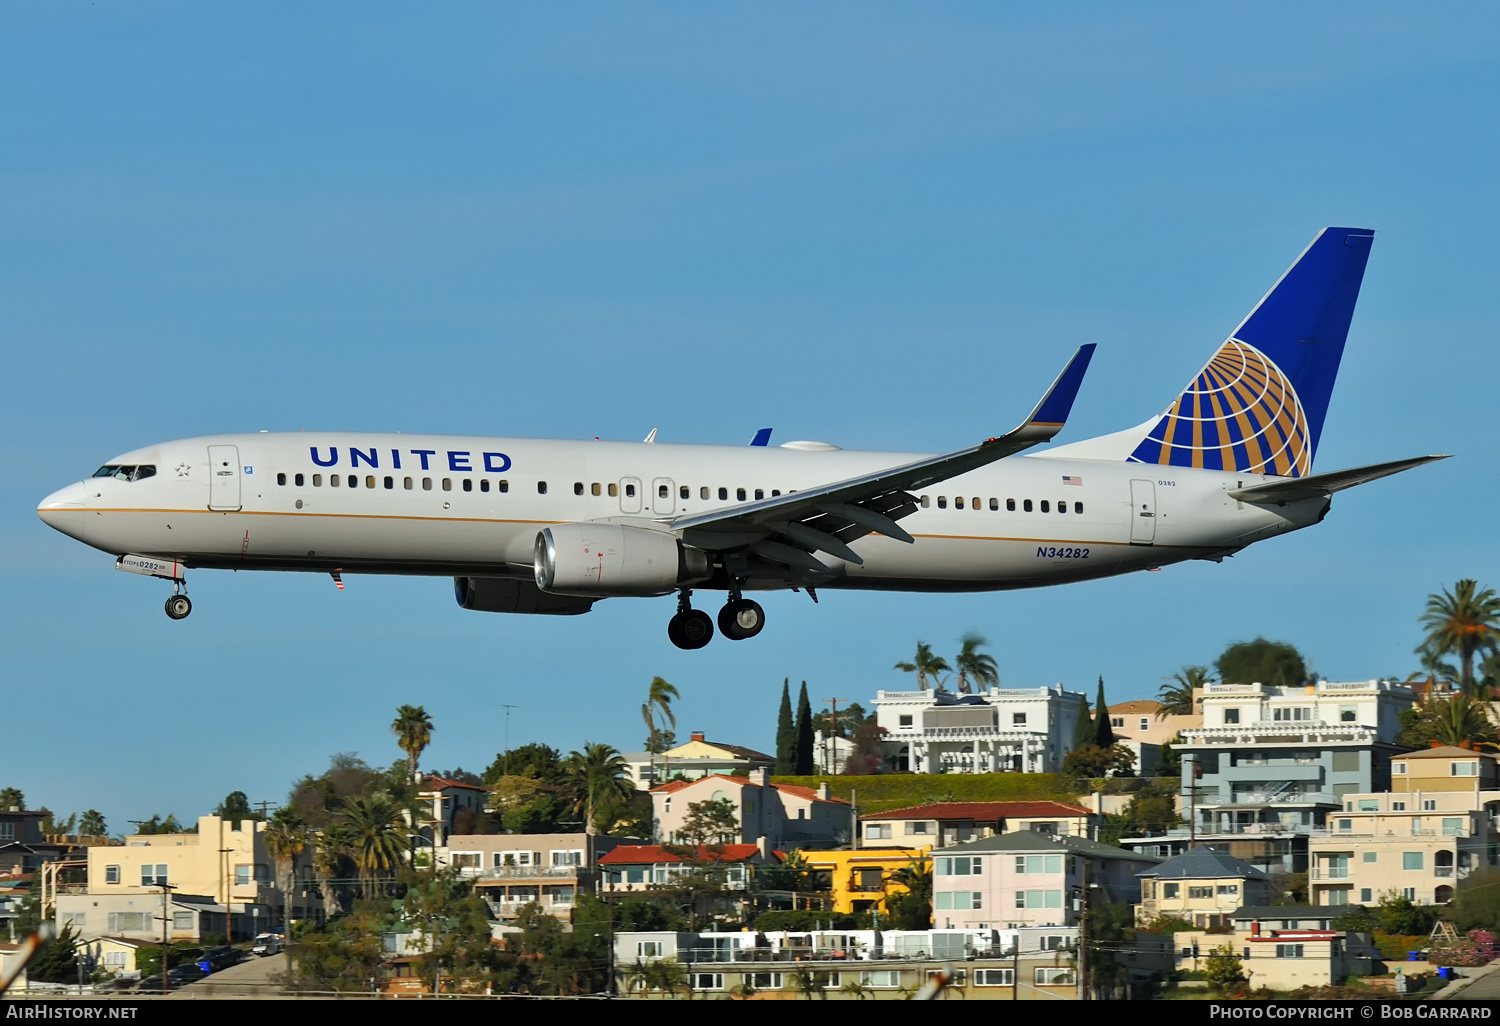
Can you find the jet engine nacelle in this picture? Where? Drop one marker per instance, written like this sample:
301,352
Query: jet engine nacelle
610,559
508,595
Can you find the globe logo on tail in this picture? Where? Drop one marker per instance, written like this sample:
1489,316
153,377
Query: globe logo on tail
1240,413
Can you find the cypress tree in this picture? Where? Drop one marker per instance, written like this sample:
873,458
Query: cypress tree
786,733
1083,730
1104,736
804,734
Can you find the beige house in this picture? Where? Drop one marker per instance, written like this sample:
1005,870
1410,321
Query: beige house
511,871
222,869
1418,842
1204,886
939,824
1138,721
783,814
115,955
449,806
1283,947
694,760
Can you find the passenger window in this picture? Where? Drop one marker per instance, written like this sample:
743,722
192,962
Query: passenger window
1026,505
594,488
426,484
317,480
1062,507
685,492
1010,505
468,484
1077,507
994,504
1045,508
760,493
406,483
775,492
333,480
958,502
447,484
739,493
390,482
977,503
281,479
926,502
723,493
484,484
577,487
369,480
504,485
614,489
541,487
661,491
703,492
353,481
942,502
298,480
630,491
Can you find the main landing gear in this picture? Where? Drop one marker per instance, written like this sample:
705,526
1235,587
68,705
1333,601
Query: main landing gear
691,628
179,606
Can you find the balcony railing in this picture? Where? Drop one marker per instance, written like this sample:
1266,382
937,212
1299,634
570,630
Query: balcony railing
992,733
525,873
1445,872
1331,873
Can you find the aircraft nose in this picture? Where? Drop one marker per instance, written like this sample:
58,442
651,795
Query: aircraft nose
74,496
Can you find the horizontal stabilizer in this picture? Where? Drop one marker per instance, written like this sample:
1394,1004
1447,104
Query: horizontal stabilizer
1323,485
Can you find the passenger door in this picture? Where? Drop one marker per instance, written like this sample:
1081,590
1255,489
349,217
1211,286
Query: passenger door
1142,512
223,477
630,495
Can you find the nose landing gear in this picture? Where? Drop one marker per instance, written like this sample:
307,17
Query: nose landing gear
690,628
179,606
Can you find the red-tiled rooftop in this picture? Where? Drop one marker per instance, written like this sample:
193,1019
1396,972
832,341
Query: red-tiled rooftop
796,790
982,811
631,854
436,783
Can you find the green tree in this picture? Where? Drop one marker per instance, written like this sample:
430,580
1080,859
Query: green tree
926,666
1176,695
1477,901
92,824
317,800
709,822
1262,662
413,729
1083,728
11,798
1223,970
1464,622
526,805
453,922
377,837
540,761
599,780
235,808
658,714
911,909
1169,762
1091,761
804,733
285,839
1104,734
972,664
786,733
57,962
157,825
344,956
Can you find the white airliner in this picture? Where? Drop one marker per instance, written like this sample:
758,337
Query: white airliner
533,526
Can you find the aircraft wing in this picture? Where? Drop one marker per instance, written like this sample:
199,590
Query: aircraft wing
789,528
1316,486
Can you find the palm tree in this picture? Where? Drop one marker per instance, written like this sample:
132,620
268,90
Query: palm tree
331,848
658,708
925,664
1464,622
597,776
856,990
285,840
1176,695
1460,721
413,730
91,824
377,837
972,663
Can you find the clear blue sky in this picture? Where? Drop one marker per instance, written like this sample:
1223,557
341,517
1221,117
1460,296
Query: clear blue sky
881,225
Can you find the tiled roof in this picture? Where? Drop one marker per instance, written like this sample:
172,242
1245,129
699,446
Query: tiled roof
1204,864
678,785
634,854
982,811
1138,705
1445,752
1028,840
1294,911
436,783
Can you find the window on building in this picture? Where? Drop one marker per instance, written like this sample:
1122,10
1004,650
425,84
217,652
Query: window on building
1231,717
903,721
1398,806
1429,804
1344,762
1171,890
1370,856
1369,805
568,858
768,981
1144,724
1117,721
1201,892
1348,714
878,831
1289,950
707,981
1018,719
115,959
121,922
959,865
182,921
959,900
1346,826
1039,864
649,949
1298,714
1039,899
468,860
1227,889
916,826
1054,976
1398,768
1411,859
153,875
111,874
1463,769
1452,826
994,978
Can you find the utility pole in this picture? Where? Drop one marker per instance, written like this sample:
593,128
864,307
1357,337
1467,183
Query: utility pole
507,709
265,808
225,876
166,921
828,752
1083,936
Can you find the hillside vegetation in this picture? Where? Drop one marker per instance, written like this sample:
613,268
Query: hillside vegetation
897,790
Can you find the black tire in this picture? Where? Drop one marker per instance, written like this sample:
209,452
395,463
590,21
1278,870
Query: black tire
178,606
691,630
741,620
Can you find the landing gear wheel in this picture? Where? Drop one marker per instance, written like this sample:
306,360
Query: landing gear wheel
690,629
741,619
179,606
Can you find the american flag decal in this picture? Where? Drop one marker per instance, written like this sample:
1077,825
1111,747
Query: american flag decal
1072,480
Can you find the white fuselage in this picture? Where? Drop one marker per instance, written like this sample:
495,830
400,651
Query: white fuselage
476,506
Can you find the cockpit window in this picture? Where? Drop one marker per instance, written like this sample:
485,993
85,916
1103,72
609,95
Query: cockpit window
125,473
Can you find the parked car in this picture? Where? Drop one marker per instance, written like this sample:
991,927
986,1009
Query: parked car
221,958
182,975
267,944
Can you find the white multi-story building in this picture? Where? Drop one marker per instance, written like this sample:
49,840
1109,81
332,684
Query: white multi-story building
1003,730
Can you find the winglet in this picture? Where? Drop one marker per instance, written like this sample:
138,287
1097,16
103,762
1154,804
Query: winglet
1052,412
762,437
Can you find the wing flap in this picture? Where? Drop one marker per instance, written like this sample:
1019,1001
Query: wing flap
1323,485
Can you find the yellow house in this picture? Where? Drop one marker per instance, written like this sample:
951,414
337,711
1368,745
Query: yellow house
1203,886
860,879
115,955
1444,769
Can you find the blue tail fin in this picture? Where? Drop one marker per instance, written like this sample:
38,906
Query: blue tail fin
1259,405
